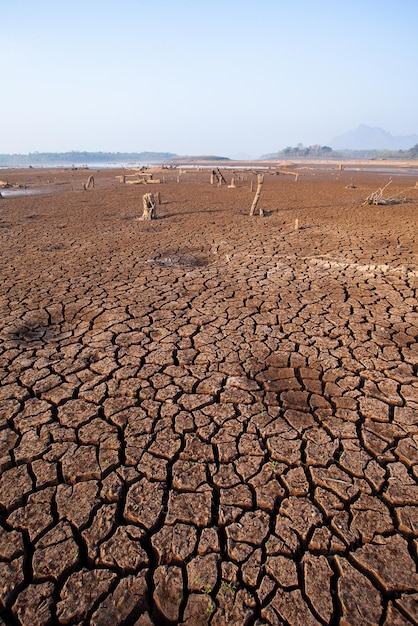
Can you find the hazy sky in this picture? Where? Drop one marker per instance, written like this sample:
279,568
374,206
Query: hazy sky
203,77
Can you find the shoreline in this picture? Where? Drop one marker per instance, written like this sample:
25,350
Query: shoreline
205,163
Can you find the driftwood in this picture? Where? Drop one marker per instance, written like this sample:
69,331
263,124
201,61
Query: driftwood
4,184
89,184
377,197
140,177
150,207
260,181
285,172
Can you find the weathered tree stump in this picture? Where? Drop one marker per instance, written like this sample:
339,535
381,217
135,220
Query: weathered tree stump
150,207
89,184
219,177
260,181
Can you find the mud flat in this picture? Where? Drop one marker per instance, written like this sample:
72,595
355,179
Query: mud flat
208,418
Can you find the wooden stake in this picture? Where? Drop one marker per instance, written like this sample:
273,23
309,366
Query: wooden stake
296,224
260,180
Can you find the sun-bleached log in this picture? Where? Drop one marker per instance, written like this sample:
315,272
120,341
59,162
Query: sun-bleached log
139,177
286,173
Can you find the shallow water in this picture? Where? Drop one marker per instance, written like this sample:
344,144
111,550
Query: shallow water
7,193
406,171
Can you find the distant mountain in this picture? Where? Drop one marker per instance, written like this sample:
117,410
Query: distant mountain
368,138
242,156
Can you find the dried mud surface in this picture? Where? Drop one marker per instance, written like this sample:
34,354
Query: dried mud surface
208,418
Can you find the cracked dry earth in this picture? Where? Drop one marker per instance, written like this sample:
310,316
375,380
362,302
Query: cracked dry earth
208,418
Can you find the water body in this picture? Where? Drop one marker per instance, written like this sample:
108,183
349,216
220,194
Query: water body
20,191
405,171
60,165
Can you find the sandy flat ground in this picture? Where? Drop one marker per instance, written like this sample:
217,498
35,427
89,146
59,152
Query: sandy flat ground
209,418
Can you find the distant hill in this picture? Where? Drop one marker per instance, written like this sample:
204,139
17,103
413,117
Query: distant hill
77,158
368,138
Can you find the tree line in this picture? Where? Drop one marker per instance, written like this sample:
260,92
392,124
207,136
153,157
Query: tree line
317,151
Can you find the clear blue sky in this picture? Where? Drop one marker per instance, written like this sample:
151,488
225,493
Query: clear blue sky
195,77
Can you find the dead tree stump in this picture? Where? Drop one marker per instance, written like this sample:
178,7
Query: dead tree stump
260,181
219,177
89,184
150,207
